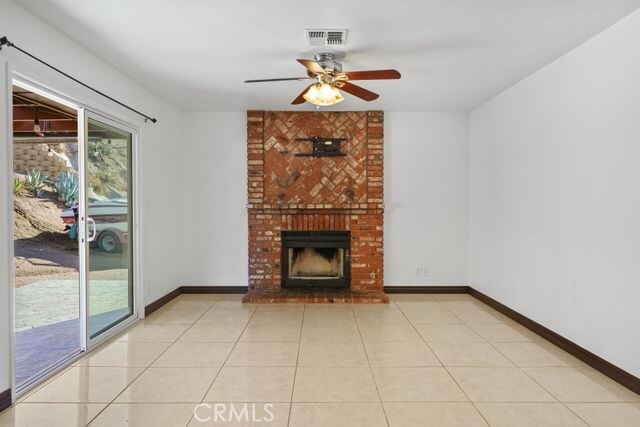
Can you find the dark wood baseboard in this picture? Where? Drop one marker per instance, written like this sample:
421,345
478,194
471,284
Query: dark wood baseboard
426,289
5,399
161,301
612,371
214,289
193,290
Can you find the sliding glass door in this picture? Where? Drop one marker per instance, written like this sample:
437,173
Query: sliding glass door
47,317
73,231
108,198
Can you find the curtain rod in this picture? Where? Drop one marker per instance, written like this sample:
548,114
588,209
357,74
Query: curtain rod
5,42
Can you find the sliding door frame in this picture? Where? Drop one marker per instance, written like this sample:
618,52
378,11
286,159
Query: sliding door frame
90,113
86,344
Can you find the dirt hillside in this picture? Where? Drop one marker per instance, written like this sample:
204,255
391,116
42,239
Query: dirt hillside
41,246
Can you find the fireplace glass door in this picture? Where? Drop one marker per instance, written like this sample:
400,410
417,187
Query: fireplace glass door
316,263
315,259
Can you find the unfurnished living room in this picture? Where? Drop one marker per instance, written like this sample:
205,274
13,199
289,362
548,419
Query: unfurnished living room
296,213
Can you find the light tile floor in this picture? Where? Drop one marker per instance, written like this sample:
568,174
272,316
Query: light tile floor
423,360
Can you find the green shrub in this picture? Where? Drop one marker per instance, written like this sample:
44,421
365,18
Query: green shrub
35,181
18,186
67,188
99,150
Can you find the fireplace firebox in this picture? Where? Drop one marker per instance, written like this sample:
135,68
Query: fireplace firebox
316,259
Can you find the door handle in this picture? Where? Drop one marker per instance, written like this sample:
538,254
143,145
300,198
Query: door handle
92,224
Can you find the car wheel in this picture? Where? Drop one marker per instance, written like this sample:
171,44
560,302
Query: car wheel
109,242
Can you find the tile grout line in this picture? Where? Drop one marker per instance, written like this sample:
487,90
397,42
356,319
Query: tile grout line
171,343
358,323
384,411
223,363
443,365
295,372
507,358
529,376
521,370
549,391
95,351
35,389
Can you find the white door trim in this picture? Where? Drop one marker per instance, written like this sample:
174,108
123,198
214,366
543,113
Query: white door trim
92,113
137,200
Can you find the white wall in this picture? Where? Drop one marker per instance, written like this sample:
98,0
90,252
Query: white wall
425,191
214,200
426,197
555,196
160,145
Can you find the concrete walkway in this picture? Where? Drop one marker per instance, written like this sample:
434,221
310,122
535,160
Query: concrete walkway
52,301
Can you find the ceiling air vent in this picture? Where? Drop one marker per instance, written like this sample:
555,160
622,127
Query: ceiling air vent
325,37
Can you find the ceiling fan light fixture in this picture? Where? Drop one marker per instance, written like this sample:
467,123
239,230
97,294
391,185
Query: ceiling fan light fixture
323,94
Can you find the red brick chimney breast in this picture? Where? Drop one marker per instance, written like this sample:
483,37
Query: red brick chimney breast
287,192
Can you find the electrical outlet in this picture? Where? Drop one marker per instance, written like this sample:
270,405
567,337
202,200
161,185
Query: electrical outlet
422,271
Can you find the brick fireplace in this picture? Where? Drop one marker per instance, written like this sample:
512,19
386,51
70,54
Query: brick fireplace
293,198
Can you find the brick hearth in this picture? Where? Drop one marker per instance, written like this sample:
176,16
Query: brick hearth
304,193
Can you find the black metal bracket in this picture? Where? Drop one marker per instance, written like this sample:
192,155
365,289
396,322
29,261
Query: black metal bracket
323,147
4,41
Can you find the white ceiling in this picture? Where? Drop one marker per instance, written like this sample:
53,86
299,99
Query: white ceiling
453,54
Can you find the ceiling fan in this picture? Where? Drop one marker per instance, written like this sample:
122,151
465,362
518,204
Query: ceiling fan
330,78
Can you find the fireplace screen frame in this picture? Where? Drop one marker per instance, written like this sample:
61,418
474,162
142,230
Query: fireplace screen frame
316,239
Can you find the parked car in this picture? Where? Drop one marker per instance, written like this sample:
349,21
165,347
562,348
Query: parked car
111,223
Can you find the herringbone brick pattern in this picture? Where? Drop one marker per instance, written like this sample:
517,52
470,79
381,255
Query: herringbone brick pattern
286,192
306,180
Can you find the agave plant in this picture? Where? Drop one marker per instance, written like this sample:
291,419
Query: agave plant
67,188
18,186
35,181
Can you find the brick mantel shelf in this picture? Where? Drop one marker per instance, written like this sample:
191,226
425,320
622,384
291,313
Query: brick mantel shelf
287,192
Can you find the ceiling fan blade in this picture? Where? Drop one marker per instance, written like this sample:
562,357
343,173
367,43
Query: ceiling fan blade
358,91
299,99
312,66
277,80
373,75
